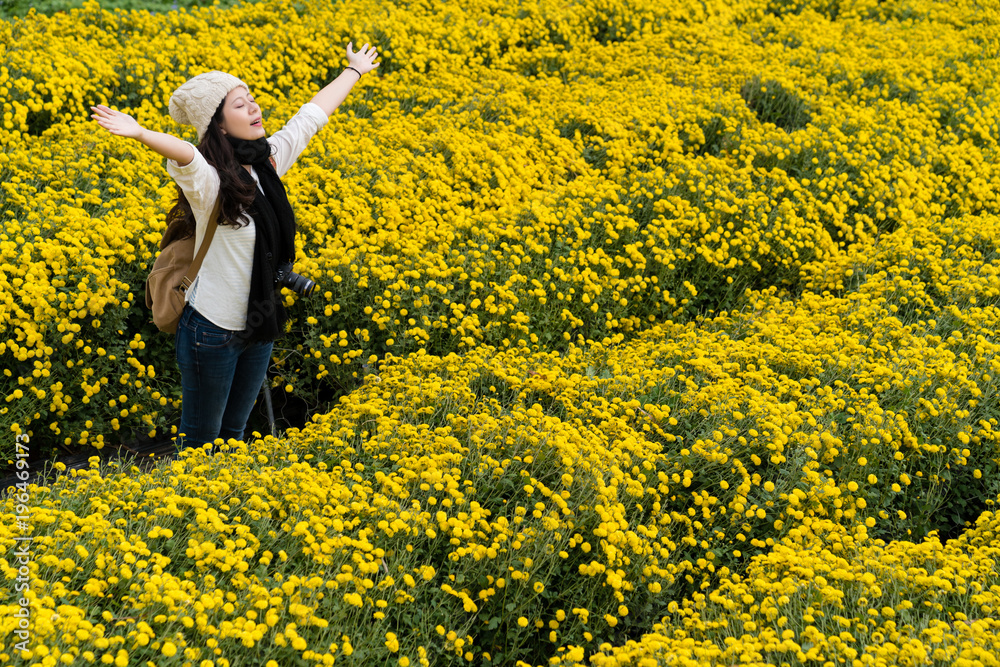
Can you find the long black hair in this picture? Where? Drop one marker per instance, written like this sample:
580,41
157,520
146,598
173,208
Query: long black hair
236,194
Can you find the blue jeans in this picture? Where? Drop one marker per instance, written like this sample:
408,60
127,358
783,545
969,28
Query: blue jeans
221,376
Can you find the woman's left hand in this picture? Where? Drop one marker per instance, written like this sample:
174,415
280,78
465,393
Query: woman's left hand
363,60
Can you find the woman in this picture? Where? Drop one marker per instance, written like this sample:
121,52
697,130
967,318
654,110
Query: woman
234,311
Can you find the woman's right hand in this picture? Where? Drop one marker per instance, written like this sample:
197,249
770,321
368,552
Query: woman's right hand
116,122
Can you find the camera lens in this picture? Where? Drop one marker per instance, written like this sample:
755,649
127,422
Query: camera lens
299,283
285,277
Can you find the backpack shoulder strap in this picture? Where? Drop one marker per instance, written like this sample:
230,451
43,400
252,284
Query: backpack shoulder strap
199,257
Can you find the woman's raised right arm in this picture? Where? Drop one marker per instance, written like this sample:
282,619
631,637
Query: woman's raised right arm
123,125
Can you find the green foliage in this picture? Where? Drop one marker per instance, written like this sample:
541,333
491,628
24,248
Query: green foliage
774,103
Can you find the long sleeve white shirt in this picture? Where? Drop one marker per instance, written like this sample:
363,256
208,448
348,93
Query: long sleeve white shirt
222,289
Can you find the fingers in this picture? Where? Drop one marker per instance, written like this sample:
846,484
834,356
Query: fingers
367,50
103,111
108,119
103,117
108,114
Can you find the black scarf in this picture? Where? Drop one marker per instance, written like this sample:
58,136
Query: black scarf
275,240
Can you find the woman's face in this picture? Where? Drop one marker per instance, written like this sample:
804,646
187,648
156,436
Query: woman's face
241,116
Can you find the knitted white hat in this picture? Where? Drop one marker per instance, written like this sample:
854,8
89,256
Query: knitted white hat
195,102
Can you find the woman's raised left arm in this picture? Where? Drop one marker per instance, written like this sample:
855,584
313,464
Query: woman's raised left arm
335,92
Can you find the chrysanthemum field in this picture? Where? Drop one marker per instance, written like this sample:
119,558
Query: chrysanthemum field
660,333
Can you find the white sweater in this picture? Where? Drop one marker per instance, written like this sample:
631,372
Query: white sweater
222,288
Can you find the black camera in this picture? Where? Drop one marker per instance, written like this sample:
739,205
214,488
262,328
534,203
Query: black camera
285,277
